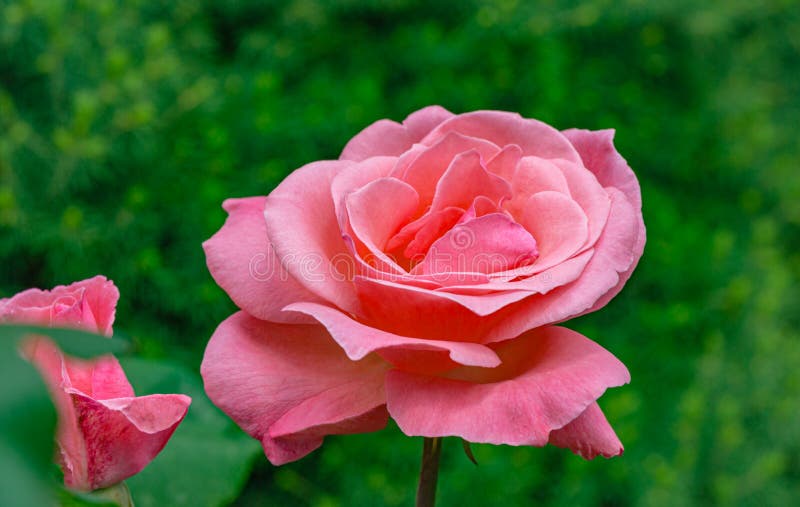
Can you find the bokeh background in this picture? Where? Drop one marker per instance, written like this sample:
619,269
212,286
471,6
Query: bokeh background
125,124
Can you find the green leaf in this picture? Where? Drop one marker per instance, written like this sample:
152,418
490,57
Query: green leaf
468,451
207,460
71,341
27,425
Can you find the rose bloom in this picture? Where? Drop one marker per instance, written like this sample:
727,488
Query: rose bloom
105,433
419,276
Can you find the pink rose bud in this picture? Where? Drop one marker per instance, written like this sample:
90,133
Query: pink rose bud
420,276
88,305
105,433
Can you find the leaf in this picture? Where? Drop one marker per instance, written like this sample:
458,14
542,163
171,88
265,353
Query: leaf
207,460
72,341
468,451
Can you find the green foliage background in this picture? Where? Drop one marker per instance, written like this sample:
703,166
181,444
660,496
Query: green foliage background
124,124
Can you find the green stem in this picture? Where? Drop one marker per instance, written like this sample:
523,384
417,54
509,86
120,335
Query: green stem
118,493
429,472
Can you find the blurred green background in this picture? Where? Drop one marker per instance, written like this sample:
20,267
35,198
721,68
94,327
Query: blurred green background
123,126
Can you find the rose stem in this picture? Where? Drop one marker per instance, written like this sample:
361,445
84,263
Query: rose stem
429,472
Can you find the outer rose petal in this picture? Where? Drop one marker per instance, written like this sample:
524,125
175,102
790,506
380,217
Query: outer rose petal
105,434
589,435
419,123
557,375
243,262
123,435
503,128
473,310
599,155
638,249
289,385
385,137
49,360
358,340
596,148
89,305
304,231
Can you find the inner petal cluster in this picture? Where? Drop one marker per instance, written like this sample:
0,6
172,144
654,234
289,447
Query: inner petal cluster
464,211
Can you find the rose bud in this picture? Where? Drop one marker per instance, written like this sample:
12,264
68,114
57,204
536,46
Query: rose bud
105,433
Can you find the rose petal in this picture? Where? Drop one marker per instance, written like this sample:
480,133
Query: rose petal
636,252
376,212
539,283
558,224
407,310
289,385
614,253
589,435
534,175
590,196
354,177
425,170
123,435
486,244
100,300
419,123
503,128
45,308
504,163
101,378
385,137
466,179
242,261
419,235
376,270
359,340
482,206
303,229
548,378
89,305
422,281
599,155
48,359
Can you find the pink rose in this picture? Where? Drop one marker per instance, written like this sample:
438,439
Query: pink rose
105,433
420,275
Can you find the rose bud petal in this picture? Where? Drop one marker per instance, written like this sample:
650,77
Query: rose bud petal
88,305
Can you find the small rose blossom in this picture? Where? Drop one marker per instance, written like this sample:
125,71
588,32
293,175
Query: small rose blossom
105,433
419,276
